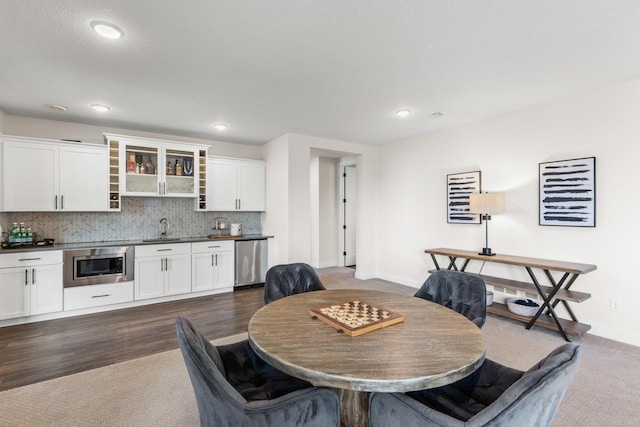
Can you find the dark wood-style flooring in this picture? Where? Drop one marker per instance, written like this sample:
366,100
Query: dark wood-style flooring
41,351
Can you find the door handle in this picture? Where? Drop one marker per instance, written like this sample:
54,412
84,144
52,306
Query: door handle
62,202
26,277
161,264
56,202
33,276
212,262
239,204
216,260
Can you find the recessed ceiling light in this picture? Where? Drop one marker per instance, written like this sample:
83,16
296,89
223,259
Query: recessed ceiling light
100,108
105,29
220,126
57,108
436,114
403,113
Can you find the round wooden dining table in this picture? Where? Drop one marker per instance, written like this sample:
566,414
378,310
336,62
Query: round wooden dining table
432,347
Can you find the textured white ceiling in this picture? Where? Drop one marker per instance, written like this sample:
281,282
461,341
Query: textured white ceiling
331,68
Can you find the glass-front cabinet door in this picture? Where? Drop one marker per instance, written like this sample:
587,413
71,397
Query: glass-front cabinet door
181,170
157,168
141,174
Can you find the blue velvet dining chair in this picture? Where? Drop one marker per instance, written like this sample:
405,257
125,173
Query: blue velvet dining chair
463,292
494,395
235,388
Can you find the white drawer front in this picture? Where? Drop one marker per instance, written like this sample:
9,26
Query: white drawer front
163,249
97,295
19,259
213,246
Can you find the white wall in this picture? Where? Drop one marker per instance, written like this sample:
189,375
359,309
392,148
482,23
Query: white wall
289,215
507,149
52,129
3,116
275,219
328,222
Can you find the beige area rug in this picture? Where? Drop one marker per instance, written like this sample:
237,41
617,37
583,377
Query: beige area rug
156,391
151,391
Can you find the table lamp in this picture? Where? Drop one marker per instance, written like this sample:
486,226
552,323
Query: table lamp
486,204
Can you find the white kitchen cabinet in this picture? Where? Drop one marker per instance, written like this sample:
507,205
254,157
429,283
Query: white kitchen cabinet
30,283
212,265
45,175
147,167
236,184
162,270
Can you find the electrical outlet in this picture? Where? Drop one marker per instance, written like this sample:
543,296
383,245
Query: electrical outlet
615,305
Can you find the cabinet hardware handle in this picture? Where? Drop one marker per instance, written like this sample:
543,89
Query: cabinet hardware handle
33,276
62,202
239,204
216,260
216,246
56,202
166,264
100,296
212,262
26,277
164,250
29,259
161,264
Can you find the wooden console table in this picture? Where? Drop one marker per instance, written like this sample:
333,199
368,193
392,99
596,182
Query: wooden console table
558,292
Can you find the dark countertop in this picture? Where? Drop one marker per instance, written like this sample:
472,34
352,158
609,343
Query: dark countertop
80,245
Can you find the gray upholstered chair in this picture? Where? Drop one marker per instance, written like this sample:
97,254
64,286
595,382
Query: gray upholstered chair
494,395
234,387
289,279
463,292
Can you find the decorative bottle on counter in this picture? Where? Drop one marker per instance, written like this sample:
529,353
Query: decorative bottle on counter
22,236
13,235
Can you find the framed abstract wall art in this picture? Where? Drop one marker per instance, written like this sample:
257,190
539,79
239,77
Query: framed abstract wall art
568,192
459,187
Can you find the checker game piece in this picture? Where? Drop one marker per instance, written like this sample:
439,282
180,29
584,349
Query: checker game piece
356,317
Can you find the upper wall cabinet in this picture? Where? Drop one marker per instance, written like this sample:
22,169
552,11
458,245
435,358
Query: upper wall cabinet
45,175
151,167
236,184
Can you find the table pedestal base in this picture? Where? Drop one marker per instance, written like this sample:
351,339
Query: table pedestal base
354,408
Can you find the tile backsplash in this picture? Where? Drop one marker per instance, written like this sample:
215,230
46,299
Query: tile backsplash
139,219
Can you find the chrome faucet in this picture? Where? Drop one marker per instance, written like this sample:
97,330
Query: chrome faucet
164,227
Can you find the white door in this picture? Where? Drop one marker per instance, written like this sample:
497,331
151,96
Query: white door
149,277
178,274
46,289
203,271
30,177
349,215
222,186
224,269
251,187
84,179
14,292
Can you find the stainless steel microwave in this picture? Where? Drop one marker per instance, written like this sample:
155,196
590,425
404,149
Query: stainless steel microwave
95,266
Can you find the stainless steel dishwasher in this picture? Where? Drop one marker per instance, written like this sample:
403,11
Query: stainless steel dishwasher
251,262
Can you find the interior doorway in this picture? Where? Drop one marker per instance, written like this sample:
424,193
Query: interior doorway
349,208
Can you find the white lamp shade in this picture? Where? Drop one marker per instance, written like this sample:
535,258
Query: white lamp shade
486,203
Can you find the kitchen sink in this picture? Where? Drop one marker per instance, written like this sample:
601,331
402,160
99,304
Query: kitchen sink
162,239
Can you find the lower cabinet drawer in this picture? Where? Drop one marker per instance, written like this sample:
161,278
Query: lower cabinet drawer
96,295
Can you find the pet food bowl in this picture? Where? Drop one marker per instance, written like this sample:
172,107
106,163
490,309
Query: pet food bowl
489,297
522,310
